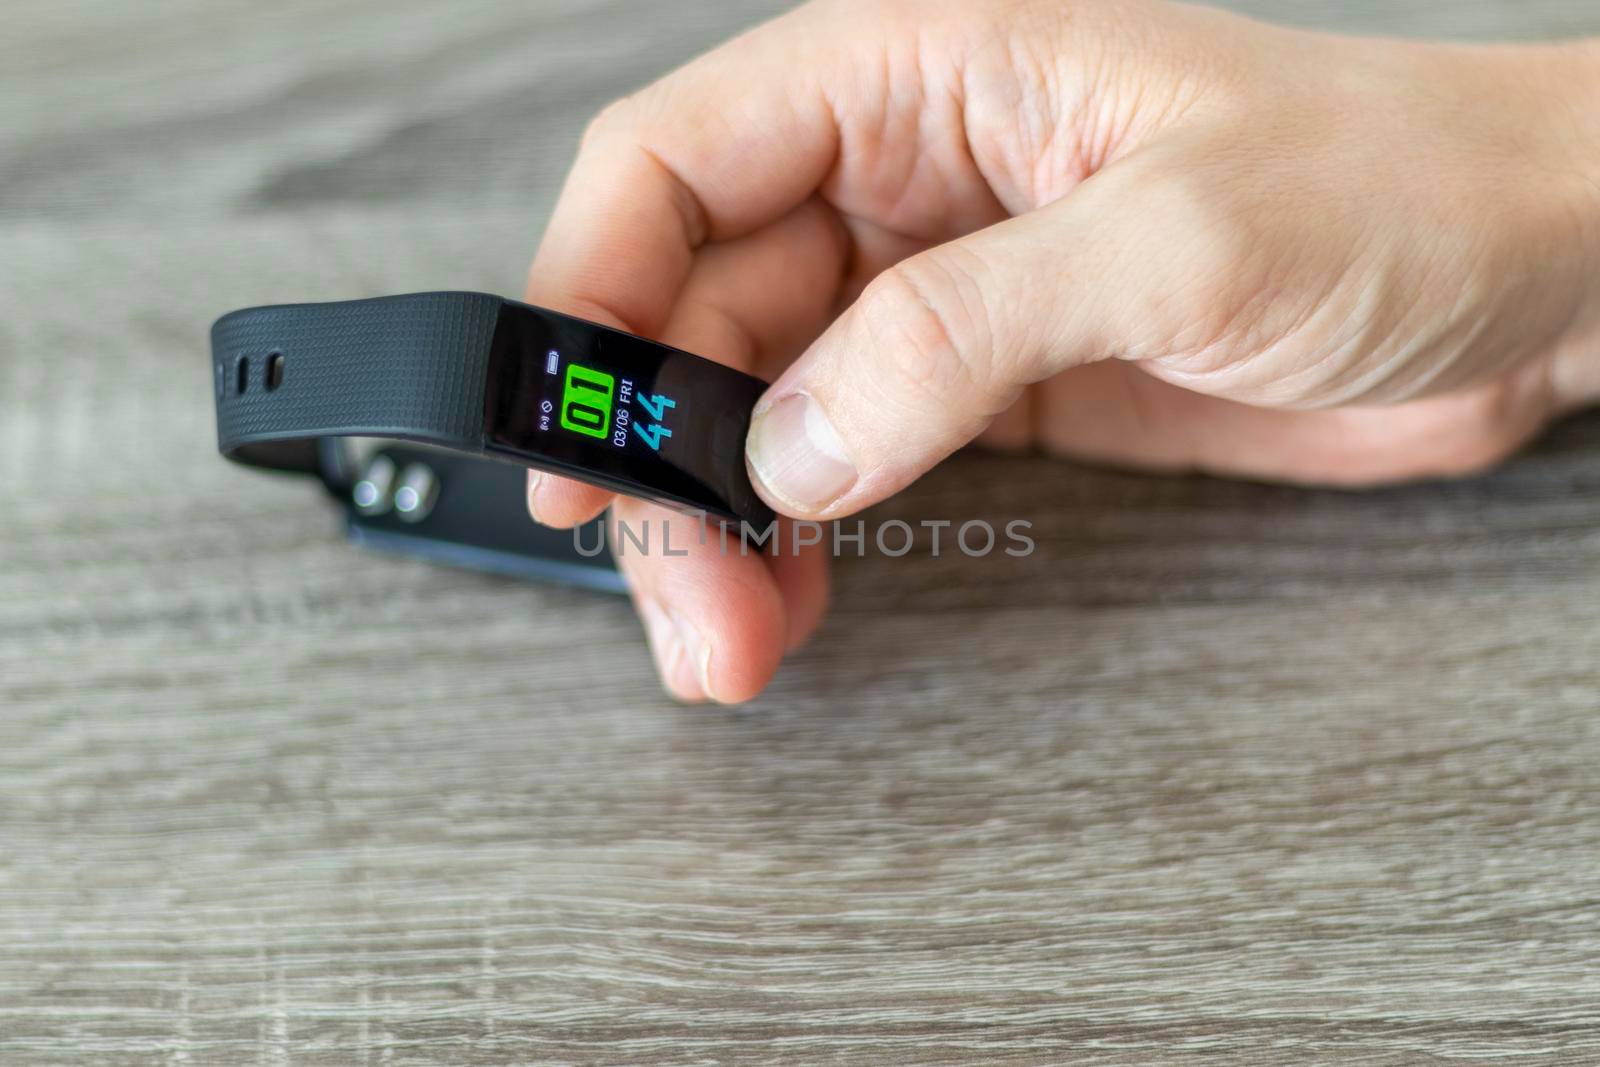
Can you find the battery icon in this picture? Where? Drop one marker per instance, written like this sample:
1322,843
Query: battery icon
552,361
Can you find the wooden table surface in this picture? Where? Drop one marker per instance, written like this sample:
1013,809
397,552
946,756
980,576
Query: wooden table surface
1223,772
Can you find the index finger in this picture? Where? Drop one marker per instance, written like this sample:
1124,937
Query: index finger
717,149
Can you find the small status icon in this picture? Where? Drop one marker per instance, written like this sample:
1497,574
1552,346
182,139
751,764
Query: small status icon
552,361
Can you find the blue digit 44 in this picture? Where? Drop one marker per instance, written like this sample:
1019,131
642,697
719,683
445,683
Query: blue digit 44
656,406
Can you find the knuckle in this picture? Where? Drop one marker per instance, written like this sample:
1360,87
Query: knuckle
928,319
1494,422
607,120
1453,436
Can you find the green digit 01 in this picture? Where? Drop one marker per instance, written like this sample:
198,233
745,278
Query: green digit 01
586,400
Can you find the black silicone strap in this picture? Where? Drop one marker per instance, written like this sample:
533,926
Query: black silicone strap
410,367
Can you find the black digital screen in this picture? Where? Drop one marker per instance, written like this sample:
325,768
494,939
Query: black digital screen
606,407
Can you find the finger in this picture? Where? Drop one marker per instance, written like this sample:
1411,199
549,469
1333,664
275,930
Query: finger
1116,413
661,173
718,615
802,576
924,360
755,302
685,162
715,618
562,502
721,618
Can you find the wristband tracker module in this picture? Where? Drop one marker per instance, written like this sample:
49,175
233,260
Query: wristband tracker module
492,378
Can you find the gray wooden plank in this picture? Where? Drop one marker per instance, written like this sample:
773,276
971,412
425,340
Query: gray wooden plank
1231,771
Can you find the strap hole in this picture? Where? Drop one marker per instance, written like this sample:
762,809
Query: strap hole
242,375
274,371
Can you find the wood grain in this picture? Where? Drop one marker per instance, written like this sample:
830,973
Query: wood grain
1223,772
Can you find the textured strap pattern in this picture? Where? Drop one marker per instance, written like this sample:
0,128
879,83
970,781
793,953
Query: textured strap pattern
396,366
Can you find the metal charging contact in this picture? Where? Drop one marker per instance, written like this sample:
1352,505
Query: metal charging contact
417,493
373,494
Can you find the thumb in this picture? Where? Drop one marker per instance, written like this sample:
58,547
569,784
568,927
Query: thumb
931,352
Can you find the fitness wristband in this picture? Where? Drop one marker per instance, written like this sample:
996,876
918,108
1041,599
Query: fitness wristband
477,374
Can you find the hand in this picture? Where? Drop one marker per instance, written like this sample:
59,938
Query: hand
1133,232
